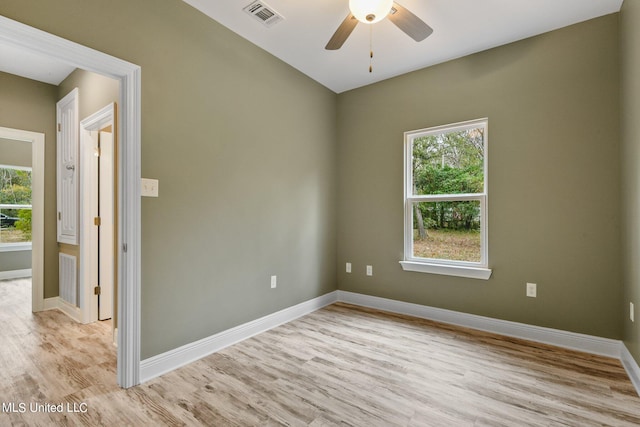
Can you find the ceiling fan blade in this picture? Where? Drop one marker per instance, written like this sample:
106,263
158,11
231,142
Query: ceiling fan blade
413,26
342,33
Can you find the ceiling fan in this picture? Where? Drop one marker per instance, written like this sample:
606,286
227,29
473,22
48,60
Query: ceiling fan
372,11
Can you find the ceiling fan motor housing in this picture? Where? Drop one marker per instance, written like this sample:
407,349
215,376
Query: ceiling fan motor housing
370,11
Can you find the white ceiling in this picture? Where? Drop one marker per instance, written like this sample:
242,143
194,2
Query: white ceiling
32,66
461,27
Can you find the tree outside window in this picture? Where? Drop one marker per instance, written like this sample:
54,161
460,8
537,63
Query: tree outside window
15,205
445,194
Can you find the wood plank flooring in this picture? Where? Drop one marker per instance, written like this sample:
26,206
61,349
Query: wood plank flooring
339,366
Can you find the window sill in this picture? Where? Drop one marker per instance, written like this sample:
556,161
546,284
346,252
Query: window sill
15,247
447,270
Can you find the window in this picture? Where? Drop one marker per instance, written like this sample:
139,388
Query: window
445,200
15,208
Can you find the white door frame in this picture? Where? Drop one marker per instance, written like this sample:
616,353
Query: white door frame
88,185
37,210
48,45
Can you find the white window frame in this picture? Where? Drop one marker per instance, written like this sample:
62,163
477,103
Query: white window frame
475,270
20,246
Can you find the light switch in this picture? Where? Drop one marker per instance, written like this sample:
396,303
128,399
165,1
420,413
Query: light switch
149,187
532,290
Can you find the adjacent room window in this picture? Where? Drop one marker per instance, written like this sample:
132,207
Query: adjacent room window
15,206
446,200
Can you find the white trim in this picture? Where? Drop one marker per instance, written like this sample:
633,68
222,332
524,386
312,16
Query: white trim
631,366
67,166
15,247
173,359
20,168
37,222
445,197
409,199
57,303
88,233
447,270
37,141
129,228
15,274
575,341
7,206
32,40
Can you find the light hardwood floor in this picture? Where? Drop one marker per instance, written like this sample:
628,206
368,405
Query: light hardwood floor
341,365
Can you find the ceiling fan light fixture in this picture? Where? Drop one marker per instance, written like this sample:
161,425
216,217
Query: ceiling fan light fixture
370,11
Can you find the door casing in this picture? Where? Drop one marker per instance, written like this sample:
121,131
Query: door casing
41,43
37,141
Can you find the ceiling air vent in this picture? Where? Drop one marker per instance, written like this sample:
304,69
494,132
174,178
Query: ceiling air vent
263,13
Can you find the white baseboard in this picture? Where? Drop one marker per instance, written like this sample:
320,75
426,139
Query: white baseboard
57,303
15,274
173,359
581,342
631,366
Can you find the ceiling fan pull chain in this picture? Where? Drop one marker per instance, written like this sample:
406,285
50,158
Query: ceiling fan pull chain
370,48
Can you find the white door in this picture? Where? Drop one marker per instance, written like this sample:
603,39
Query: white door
98,219
106,229
67,168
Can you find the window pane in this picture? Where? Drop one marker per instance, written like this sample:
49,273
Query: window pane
449,162
15,186
15,225
447,230
15,189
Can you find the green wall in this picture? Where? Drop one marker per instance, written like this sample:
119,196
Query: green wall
553,157
95,91
630,90
264,172
29,105
244,148
15,260
15,153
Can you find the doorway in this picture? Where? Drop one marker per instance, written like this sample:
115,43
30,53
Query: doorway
37,211
98,282
29,39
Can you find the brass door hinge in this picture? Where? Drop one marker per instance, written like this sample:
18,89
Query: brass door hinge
59,216
96,290
59,127
96,221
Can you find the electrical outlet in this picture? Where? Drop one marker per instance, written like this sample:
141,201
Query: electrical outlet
631,312
149,187
348,268
274,281
369,270
532,290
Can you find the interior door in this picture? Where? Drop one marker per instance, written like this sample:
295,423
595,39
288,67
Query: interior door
106,235
67,168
